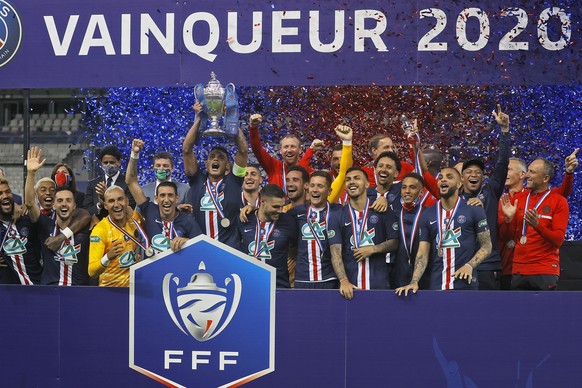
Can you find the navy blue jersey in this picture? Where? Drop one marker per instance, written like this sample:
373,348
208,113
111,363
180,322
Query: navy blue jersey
313,254
162,232
69,265
458,246
228,196
21,249
274,240
372,272
490,194
392,196
405,256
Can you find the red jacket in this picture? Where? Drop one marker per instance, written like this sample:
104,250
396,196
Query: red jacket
506,251
274,167
540,254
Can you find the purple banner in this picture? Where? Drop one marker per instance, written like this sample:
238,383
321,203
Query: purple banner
106,43
73,337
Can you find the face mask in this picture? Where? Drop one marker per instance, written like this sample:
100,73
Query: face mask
62,179
110,170
162,175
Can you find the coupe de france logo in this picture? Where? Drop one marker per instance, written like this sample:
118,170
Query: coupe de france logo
10,32
201,308
203,316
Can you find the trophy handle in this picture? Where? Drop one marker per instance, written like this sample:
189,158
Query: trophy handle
231,115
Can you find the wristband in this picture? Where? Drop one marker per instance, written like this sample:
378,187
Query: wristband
67,232
134,155
238,170
470,265
347,142
105,260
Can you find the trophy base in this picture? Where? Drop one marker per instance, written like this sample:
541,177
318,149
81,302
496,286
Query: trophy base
214,132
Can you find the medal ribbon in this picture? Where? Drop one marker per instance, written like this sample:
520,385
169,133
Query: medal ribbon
408,247
212,191
354,217
258,238
245,202
140,230
168,231
319,242
56,232
284,178
524,225
440,220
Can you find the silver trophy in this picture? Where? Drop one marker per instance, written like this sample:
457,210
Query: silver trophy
214,94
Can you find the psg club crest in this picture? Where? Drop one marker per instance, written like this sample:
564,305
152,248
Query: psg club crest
10,32
203,316
201,308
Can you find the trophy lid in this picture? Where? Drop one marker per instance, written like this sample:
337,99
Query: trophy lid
214,86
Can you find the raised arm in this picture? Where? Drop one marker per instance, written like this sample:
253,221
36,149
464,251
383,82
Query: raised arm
33,164
190,163
316,146
345,133
242,151
131,176
265,160
565,189
497,180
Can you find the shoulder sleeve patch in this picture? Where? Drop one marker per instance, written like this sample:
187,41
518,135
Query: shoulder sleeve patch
482,223
95,239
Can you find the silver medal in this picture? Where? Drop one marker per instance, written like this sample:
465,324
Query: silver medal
225,222
440,252
523,240
149,252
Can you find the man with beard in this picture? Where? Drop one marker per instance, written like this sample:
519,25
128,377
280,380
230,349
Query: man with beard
454,237
116,241
514,184
269,234
387,167
313,263
110,160
290,149
478,193
163,169
409,218
19,243
296,179
67,264
377,145
538,219
164,225
215,195
251,185
362,239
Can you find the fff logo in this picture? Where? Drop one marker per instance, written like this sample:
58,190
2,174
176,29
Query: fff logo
202,310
